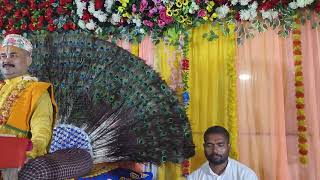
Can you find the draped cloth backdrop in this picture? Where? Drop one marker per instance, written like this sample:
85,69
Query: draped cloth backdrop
266,121
268,140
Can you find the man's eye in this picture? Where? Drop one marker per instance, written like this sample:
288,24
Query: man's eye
13,55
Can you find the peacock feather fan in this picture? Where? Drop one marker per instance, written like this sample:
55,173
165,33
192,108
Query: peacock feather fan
127,110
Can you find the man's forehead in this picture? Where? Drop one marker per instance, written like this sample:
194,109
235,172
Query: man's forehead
11,49
215,138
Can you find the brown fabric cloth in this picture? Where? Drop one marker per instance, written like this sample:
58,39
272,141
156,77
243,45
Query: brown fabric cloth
62,164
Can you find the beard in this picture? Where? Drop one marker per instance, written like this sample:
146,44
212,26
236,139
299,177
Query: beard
217,159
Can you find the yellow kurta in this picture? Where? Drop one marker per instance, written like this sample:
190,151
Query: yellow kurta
41,120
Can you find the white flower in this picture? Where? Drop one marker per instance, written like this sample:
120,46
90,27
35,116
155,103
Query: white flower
304,3
222,11
254,5
234,2
82,24
274,14
142,31
80,7
102,17
115,19
293,5
91,8
98,30
244,14
266,14
91,25
193,8
253,14
137,21
244,2
108,4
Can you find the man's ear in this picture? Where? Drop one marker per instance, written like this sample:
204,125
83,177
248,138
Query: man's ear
29,60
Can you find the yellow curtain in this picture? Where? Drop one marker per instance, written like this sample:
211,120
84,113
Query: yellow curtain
212,90
166,58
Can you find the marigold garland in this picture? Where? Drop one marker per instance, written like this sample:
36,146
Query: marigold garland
299,93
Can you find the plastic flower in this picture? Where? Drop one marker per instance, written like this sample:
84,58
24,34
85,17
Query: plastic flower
222,11
115,19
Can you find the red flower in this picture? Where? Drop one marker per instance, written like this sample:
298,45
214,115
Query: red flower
302,128
301,117
299,106
296,31
202,13
8,7
299,94
17,14
297,43
317,7
299,83
61,10
49,12
185,64
86,16
237,16
49,20
25,12
11,21
22,1
266,5
297,52
72,25
32,27
299,73
221,2
33,6
185,163
302,140
1,23
23,26
98,4
65,26
297,63
51,27
303,151
2,12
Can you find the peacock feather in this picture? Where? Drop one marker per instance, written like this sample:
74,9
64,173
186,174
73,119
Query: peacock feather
127,110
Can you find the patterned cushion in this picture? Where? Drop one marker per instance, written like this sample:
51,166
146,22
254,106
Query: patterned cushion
62,164
68,136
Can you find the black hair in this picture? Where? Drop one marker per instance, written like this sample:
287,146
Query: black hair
217,130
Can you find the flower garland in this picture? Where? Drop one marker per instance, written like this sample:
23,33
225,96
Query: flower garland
132,19
30,15
299,89
10,100
185,95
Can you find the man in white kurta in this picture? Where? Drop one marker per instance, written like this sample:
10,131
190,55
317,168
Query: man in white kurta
219,166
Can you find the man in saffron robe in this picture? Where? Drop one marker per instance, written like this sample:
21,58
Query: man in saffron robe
28,109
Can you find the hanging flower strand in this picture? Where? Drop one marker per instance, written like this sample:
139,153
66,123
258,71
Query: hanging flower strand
183,47
299,90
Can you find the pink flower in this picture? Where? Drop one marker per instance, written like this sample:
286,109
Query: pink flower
148,23
143,5
202,13
161,23
165,18
134,8
152,12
